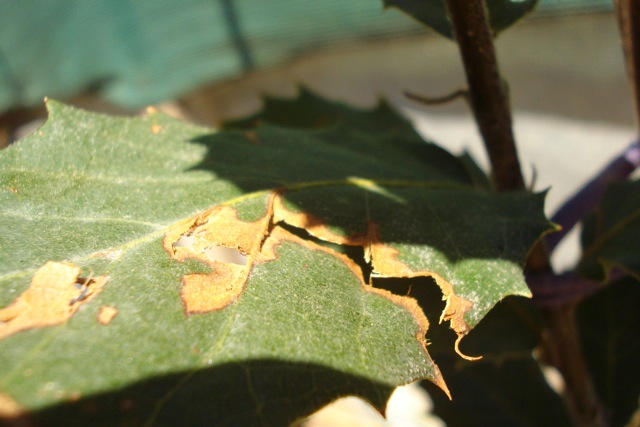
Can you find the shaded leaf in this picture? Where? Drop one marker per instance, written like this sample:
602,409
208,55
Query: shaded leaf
507,387
609,324
433,13
260,308
512,393
611,235
308,111
225,395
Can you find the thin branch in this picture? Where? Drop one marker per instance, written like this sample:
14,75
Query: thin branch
489,100
460,93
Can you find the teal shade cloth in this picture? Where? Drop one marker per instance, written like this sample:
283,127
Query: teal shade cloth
136,53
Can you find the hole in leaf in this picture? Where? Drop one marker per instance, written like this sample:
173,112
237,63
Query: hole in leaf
185,241
356,253
423,289
225,255
429,297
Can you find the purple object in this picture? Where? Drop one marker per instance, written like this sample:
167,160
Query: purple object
585,200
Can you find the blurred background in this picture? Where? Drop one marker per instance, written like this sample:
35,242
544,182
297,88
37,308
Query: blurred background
123,55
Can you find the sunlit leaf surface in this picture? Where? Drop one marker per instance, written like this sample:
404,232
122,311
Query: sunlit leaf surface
234,277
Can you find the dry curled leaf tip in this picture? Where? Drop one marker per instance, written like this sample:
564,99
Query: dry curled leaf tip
461,354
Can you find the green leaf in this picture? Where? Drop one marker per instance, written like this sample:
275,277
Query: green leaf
611,234
433,13
263,322
609,321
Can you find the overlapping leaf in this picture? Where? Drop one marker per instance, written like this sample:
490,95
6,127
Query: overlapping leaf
608,321
611,235
433,13
285,326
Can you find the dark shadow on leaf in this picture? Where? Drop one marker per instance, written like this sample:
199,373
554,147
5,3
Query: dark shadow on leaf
251,393
309,140
417,192
310,111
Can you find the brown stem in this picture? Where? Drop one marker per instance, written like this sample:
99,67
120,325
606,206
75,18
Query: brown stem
628,12
488,98
562,349
487,92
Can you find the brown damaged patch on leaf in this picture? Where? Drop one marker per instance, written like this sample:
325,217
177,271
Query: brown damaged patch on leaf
280,235
313,225
110,254
193,238
54,296
385,263
107,314
220,227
